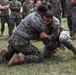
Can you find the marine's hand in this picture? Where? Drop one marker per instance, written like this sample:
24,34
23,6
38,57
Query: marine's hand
43,35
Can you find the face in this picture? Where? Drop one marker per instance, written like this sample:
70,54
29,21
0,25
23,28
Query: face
37,4
47,20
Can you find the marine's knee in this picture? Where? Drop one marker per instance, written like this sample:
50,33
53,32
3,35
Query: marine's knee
64,36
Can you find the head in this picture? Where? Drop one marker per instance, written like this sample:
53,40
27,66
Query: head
37,3
44,1
48,17
42,9
14,0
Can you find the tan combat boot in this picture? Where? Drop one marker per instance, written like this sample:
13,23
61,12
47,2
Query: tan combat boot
62,47
3,55
15,60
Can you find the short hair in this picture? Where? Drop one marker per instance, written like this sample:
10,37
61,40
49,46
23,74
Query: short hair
48,14
35,1
42,8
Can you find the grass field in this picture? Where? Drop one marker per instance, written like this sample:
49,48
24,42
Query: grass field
61,63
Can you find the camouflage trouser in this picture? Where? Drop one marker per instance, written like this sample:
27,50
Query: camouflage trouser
19,44
65,39
49,48
13,22
74,22
4,19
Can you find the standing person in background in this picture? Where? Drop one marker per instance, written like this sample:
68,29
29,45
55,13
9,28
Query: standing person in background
27,5
69,15
73,32
15,16
46,3
36,5
56,9
4,8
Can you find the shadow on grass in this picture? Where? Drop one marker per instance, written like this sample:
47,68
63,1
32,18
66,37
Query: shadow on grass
58,59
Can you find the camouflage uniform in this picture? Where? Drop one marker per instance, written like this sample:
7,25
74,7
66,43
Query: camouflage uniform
32,10
4,15
47,4
28,29
74,19
69,13
27,5
56,35
15,16
56,8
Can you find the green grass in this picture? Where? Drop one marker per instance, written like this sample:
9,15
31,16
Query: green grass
61,63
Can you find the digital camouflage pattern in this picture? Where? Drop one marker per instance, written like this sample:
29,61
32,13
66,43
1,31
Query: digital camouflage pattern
15,16
69,13
32,10
15,7
4,12
4,15
47,4
74,18
29,29
57,35
27,5
56,8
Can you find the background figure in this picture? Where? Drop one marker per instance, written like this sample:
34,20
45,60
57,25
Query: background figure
36,5
15,16
73,32
69,15
46,3
4,8
56,9
27,5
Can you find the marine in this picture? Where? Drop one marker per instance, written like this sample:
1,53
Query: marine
30,28
55,36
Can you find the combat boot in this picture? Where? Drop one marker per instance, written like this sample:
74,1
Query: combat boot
3,55
74,51
62,47
1,34
16,59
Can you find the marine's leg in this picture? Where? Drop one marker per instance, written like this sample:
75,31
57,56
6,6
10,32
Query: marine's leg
69,21
49,49
73,27
20,44
18,20
11,25
66,41
3,20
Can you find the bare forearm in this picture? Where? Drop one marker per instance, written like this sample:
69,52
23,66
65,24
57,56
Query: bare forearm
4,7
